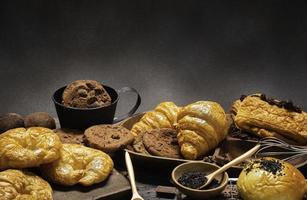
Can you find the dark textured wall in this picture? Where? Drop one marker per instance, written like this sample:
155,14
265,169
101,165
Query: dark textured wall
168,50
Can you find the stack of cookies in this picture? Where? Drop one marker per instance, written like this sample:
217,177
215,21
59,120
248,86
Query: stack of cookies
159,142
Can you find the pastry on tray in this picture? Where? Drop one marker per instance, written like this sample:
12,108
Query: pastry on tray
201,126
163,116
162,142
269,117
70,136
271,179
22,185
86,94
78,164
21,148
108,138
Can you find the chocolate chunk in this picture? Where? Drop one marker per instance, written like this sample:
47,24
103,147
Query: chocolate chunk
90,85
91,100
166,192
82,93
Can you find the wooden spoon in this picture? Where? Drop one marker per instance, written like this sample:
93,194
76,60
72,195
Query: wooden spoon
135,194
239,159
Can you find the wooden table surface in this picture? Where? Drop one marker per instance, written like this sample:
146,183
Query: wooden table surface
180,50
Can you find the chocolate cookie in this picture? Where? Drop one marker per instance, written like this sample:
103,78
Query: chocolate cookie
85,94
138,145
162,142
70,136
108,138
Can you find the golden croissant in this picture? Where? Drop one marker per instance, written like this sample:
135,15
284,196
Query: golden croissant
163,116
21,185
21,148
202,126
267,117
78,164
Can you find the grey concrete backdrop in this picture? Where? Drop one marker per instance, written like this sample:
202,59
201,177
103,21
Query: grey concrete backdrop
182,51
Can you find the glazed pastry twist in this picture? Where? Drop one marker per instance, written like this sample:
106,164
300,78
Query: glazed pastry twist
21,185
79,164
21,148
202,126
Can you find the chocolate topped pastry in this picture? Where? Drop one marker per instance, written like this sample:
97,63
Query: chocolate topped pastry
86,94
267,117
108,138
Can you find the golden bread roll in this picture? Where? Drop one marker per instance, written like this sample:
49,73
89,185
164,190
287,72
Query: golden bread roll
20,185
271,179
202,126
163,116
78,164
265,118
21,148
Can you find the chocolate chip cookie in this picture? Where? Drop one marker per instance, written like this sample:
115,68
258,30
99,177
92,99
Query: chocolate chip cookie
162,142
70,136
108,138
85,94
138,145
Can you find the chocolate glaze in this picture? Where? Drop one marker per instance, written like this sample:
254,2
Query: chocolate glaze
288,105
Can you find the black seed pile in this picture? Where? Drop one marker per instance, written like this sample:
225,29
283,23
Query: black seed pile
273,166
288,105
196,179
193,179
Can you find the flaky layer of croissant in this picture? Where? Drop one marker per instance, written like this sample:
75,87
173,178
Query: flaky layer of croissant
163,116
202,126
259,117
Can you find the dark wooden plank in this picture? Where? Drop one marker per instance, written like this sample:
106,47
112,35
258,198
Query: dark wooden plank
116,187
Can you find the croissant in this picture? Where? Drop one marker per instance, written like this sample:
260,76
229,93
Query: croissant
163,116
22,148
202,126
79,164
22,185
268,117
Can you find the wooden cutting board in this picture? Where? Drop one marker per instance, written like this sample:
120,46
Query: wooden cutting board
116,187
